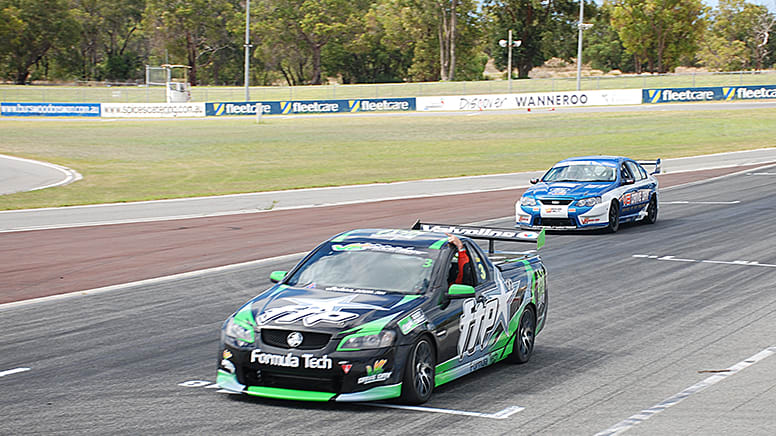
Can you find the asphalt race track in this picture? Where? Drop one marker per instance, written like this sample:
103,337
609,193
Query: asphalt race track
662,329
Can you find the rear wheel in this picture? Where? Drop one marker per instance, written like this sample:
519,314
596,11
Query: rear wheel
651,211
614,217
524,342
418,383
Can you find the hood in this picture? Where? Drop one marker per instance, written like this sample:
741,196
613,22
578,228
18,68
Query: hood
329,310
575,190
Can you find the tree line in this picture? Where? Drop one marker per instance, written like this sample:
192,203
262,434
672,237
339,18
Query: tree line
298,42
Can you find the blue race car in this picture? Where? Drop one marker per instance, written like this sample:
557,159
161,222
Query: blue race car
590,192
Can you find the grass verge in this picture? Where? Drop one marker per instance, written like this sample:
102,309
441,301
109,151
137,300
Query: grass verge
124,161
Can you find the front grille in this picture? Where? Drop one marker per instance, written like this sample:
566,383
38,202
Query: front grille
556,222
310,341
555,201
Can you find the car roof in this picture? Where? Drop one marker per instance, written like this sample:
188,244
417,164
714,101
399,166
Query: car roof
413,238
595,158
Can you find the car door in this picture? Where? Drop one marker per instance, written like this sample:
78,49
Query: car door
636,198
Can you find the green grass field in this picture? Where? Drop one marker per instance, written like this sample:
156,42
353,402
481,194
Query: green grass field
142,160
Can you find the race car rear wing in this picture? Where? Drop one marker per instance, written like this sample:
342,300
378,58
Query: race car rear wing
656,163
491,234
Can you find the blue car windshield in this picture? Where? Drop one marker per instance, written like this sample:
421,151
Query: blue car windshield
369,266
589,172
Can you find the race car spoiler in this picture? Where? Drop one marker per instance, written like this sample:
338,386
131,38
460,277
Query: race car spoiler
491,234
656,163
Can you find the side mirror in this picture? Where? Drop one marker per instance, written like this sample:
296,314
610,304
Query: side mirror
460,291
628,181
277,276
534,181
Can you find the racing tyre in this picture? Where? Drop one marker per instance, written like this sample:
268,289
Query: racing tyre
524,342
418,383
651,211
614,217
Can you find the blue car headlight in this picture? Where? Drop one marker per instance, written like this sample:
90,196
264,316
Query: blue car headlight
589,202
366,342
527,201
238,331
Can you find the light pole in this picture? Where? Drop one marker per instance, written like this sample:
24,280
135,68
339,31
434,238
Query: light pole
581,27
247,49
510,44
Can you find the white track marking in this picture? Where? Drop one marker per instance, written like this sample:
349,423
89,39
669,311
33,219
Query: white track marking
761,174
502,414
70,175
13,371
151,281
644,415
719,262
700,202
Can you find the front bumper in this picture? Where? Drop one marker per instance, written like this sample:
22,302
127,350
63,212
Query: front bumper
367,375
566,218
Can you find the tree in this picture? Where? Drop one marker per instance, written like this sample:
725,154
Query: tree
32,28
443,36
301,29
658,32
602,46
545,29
189,29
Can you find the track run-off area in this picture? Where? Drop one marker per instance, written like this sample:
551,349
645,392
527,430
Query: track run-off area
657,329
112,326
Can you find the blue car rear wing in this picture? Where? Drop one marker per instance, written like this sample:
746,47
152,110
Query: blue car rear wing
656,163
491,234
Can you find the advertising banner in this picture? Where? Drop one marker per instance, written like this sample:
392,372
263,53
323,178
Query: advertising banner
152,110
50,109
717,93
310,106
528,101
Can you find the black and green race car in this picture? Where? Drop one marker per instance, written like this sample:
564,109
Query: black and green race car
373,314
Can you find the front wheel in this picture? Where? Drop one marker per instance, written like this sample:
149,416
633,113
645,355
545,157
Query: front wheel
418,382
614,217
651,211
524,342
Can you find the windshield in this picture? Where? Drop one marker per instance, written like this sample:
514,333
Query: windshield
367,265
591,172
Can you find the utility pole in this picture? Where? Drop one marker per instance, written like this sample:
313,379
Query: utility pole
247,49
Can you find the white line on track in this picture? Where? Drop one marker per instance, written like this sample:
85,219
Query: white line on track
156,280
719,262
644,415
761,174
700,202
502,414
13,371
70,175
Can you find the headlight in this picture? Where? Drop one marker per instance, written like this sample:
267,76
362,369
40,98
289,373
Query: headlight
589,202
527,201
239,332
365,342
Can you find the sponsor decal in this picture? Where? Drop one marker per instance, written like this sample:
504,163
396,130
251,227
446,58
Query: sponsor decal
753,92
369,246
374,373
50,109
241,108
484,232
480,319
311,311
380,105
227,366
481,103
346,366
585,220
524,219
308,361
152,110
409,322
635,197
355,291
558,191
226,354
544,100
395,234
